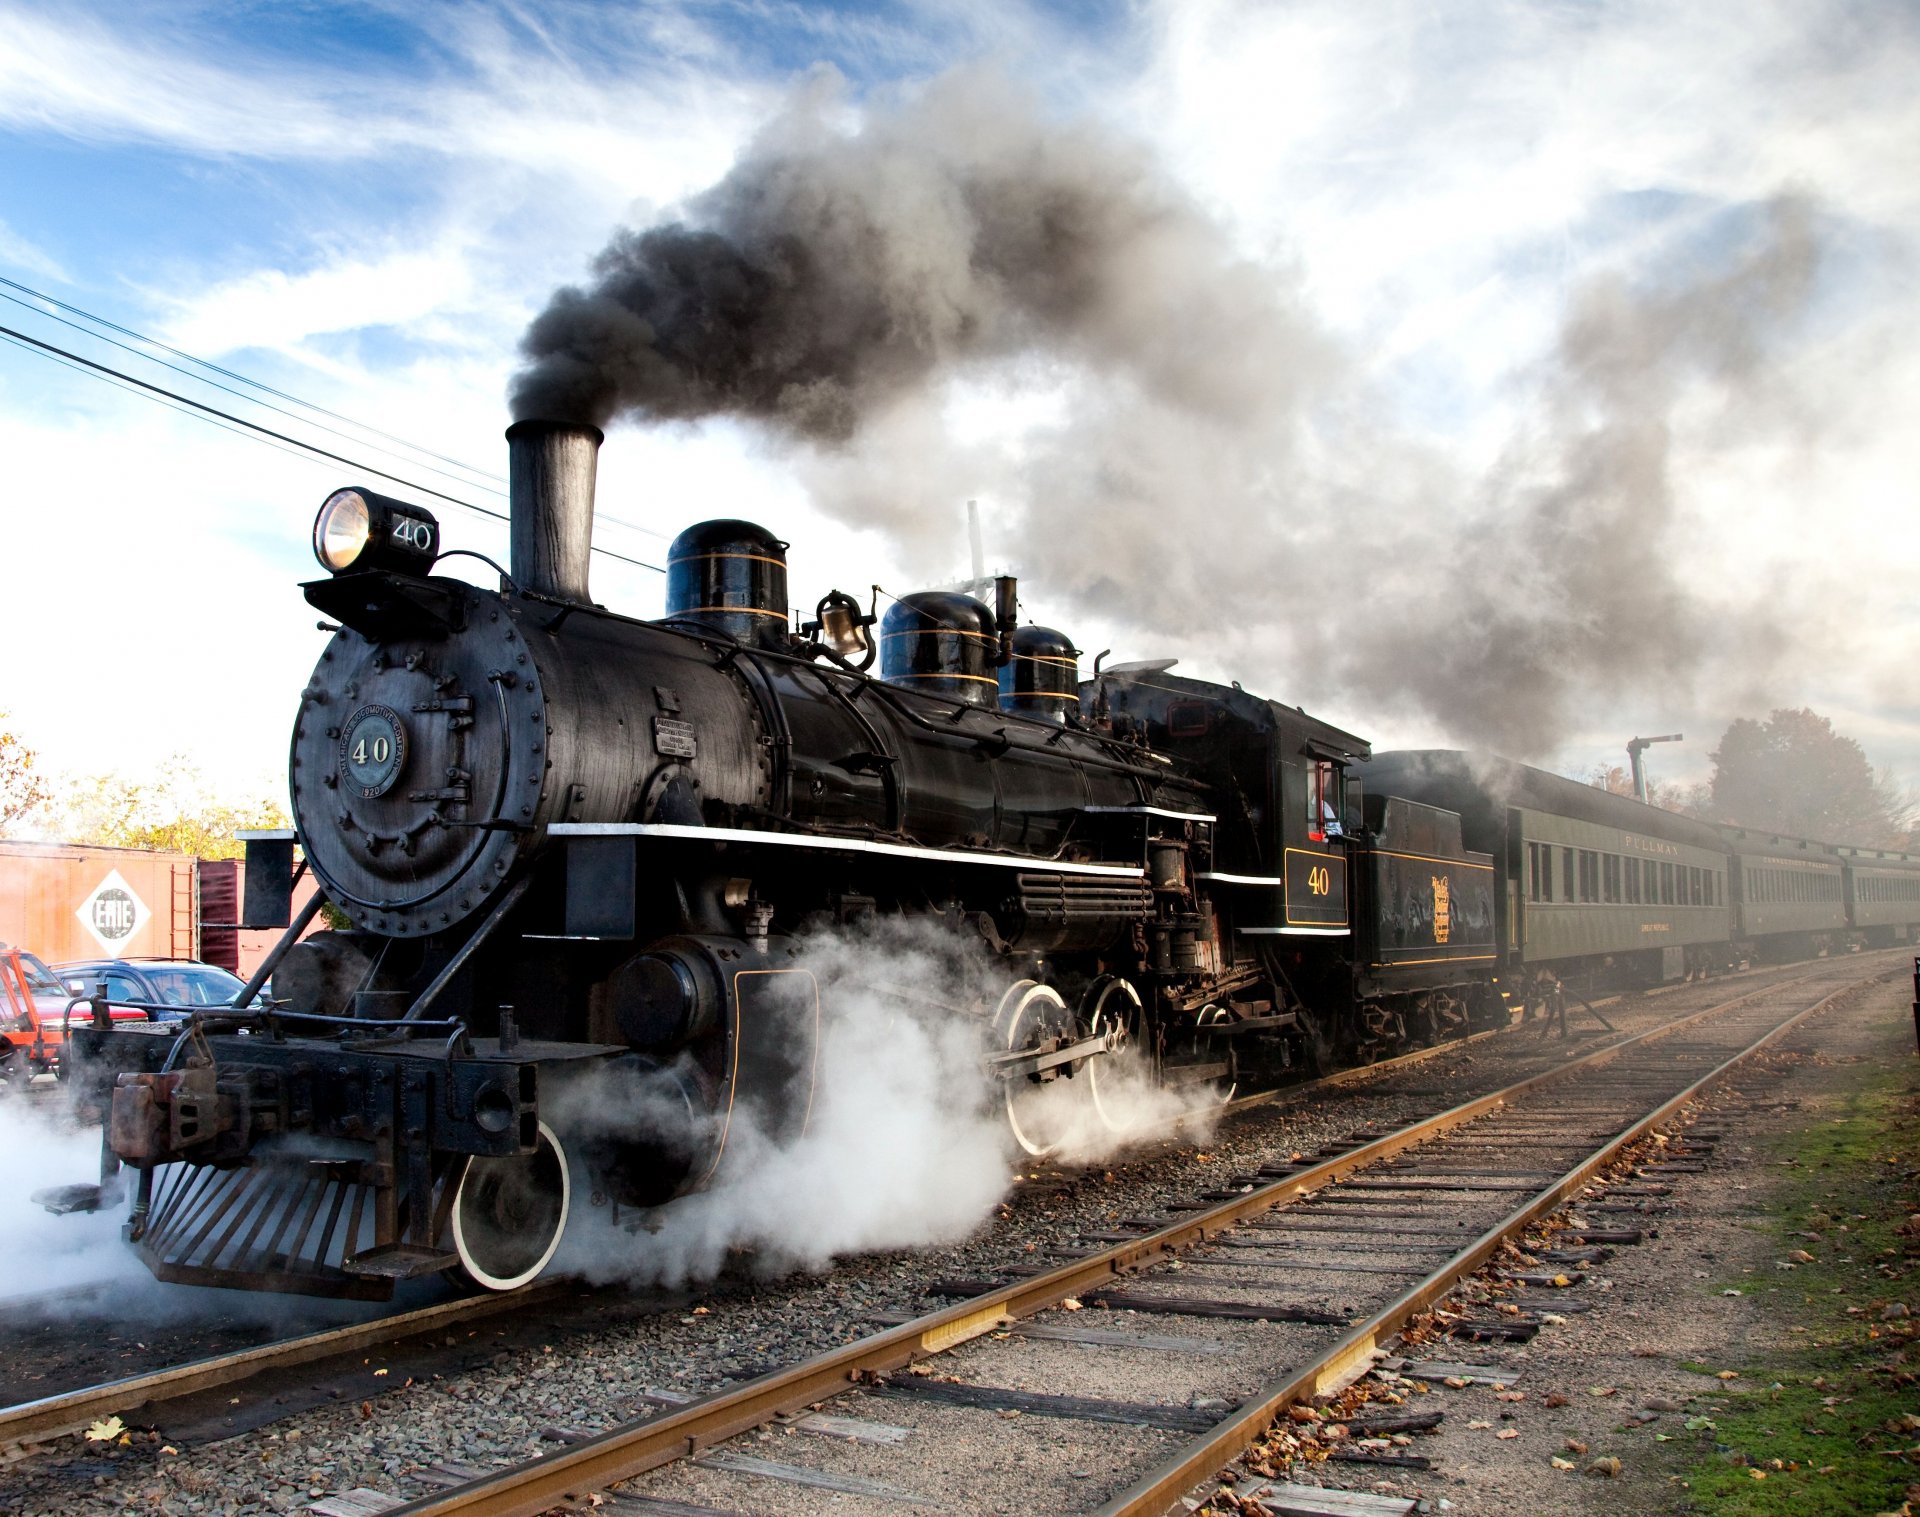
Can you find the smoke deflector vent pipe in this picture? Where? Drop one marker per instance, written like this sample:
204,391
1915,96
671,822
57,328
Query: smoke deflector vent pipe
551,466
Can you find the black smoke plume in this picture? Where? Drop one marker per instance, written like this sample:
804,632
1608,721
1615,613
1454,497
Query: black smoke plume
1195,467
833,274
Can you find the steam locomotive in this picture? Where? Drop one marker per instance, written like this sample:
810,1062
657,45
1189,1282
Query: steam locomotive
572,856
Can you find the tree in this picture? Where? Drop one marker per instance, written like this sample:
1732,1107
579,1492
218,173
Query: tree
1617,779
22,790
1794,774
174,812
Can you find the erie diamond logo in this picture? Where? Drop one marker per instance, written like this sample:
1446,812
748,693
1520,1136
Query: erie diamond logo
113,913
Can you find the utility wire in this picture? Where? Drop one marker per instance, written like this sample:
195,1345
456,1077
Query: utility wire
154,342
278,447
14,284
110,373
127,347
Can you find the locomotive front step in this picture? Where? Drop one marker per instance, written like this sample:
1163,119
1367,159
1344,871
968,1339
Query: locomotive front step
399,1261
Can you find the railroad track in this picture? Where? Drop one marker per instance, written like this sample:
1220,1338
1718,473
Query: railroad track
1313,1266
24,1426
72,1411
69,1411
1296,1091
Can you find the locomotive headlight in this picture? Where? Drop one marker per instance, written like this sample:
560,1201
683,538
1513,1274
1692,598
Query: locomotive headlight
341,530
357,530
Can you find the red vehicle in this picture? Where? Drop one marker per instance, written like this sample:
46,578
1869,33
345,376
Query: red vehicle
34,1010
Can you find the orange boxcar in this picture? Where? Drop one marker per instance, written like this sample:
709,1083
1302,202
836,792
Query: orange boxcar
64,901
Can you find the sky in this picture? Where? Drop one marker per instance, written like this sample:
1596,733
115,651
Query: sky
1574,396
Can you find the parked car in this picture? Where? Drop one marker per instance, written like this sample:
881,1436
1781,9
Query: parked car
34,1004
184,983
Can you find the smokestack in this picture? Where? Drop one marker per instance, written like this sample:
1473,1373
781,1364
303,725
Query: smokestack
551,467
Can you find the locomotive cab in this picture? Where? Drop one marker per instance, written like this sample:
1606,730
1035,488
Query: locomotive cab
1284,866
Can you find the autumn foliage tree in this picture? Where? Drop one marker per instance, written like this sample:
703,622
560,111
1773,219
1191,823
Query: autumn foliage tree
1794,774
174,811
1617,779
23,791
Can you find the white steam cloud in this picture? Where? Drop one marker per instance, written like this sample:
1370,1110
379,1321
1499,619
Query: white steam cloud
40,1251
907,1143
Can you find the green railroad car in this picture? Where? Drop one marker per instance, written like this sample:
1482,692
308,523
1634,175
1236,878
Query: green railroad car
1789,894
1585,880
1883,894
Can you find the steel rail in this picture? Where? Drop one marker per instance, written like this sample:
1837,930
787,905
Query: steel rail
1163,1489
634,1447
71,1411
1358,1074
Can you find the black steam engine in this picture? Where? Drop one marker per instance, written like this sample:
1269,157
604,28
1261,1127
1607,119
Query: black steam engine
575,859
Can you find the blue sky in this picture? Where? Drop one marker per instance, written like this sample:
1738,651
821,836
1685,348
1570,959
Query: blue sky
364,204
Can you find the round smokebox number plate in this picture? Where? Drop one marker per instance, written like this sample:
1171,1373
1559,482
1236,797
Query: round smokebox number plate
373,751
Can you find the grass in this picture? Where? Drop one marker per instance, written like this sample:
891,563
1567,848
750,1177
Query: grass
1823,1419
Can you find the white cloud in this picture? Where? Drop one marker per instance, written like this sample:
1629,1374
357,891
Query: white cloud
270,308
1442,176
26,257
101,80
1413,150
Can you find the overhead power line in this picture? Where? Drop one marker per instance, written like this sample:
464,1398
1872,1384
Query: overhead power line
154,342
107,371
266,389
127,347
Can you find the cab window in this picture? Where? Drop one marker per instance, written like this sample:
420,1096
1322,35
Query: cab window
1323,801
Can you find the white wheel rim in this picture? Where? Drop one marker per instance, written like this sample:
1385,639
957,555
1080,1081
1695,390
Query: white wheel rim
1211,1016
1105,1069
1012,1025
468,1243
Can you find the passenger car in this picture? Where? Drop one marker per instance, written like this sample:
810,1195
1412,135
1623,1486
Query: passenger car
185,983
